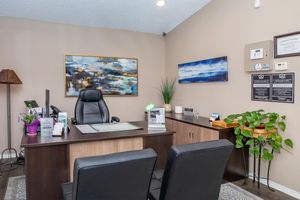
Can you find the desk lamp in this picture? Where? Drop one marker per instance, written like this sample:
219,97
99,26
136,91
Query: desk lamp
8,77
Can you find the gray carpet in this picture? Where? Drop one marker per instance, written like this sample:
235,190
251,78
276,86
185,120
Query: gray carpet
15,188
16,191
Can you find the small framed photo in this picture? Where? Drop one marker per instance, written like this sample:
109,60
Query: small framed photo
287,45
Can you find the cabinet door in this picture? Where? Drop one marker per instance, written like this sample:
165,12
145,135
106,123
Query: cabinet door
185,133
182,135
191,132
205,134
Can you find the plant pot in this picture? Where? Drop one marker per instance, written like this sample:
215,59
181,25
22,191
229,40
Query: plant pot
259,131
32,128
168,107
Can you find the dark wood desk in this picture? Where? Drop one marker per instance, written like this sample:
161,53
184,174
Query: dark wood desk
49,160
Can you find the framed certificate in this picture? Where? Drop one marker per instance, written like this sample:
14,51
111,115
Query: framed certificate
287,45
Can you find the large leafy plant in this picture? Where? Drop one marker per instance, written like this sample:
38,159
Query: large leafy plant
248,122
167,89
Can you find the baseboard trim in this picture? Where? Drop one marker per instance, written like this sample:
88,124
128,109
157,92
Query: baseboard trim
281,188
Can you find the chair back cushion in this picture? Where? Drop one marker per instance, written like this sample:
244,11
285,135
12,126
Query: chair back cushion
195,171
91,108
118,176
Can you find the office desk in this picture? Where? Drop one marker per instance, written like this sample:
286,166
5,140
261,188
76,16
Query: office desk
190,130
50,160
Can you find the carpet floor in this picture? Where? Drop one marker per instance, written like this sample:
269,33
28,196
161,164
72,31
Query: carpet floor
16,191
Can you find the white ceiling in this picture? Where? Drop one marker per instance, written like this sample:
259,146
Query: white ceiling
133,15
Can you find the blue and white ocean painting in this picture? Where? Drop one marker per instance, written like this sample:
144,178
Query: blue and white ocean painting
210,70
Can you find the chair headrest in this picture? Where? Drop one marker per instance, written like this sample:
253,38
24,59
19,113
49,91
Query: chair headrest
90,95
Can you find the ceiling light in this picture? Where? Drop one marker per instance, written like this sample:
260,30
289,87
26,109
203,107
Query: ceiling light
160,3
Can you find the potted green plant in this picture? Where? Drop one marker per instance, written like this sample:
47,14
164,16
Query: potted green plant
167,89
31,122
260,127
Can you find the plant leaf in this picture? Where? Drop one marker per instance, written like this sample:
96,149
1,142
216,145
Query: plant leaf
254,151
237,131
239,137
267,128
228,120
288,142
267,155
238,143
282,125
256,123
260,138
250,142
241,122
246,133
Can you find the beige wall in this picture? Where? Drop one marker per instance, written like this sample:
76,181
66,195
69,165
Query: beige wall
35,50
223,28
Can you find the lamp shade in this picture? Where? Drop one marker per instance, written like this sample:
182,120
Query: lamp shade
8,76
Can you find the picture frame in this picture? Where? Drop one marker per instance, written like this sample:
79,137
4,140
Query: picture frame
208,70
287,45
114,76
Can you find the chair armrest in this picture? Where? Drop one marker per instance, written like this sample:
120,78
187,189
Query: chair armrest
73,121
115,119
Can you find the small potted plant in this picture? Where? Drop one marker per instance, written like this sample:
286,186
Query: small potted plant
167,89
259,127
31,122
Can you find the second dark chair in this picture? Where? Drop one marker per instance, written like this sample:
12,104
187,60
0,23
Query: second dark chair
119,176
91,108
193,171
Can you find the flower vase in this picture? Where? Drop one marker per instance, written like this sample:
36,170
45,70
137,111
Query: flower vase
32,128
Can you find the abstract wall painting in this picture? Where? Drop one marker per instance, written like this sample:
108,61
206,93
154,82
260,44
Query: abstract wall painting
210,70
111,75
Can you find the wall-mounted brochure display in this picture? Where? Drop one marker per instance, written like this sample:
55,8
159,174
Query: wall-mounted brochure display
278,87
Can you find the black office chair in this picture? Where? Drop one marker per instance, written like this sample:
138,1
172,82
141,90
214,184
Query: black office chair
193,171
91,108
117,176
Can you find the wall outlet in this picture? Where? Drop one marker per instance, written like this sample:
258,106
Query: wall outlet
280,66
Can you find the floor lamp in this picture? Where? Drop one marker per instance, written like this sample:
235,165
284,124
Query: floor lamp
9,77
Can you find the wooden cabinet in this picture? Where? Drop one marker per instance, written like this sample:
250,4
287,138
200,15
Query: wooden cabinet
187,133
191,130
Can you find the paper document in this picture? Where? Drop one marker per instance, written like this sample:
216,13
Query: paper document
108,127
86,128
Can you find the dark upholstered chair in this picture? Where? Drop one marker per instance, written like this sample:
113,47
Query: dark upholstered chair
91,108
117,176
193,171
